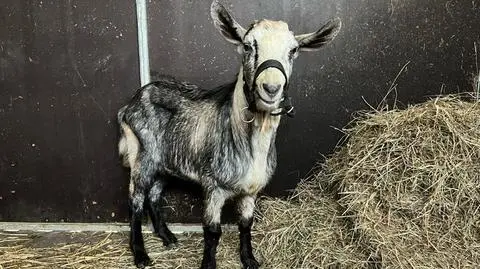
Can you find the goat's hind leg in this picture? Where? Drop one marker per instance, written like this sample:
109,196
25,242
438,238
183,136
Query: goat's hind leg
138,191
155,211
246,207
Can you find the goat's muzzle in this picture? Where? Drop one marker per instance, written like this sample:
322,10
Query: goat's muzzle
249,91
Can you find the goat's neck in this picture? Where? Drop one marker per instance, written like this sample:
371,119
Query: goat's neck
262,122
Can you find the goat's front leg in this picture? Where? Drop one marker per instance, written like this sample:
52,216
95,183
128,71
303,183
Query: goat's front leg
212,229
246,207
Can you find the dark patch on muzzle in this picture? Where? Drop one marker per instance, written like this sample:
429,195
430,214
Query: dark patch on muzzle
286,104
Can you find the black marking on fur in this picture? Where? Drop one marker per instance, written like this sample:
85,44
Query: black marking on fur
250,28
137,245
246,251
255,46
211,237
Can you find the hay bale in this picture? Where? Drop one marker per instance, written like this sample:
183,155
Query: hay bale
410,179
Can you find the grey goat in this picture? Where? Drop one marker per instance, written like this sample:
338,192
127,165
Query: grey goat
223,138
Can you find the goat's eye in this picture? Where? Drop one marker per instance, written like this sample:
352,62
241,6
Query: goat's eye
247,48
293,51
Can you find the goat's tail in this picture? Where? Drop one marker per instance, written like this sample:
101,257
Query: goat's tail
121,114
128,144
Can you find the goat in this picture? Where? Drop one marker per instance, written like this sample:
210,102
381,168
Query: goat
224,138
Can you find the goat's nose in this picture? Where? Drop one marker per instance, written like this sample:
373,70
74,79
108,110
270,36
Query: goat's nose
271,89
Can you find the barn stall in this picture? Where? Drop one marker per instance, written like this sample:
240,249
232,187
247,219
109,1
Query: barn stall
399,191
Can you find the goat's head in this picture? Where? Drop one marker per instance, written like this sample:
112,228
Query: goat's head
268,49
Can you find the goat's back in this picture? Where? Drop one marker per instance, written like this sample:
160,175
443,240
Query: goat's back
177,125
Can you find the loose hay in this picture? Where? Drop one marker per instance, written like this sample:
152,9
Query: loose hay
306,231
105,250
410,179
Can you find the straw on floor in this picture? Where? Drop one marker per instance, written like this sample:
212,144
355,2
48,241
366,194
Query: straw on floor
104,250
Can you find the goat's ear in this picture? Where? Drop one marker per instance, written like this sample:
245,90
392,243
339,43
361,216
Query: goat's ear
224,22
316,40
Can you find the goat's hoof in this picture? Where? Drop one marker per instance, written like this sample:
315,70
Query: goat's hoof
167,237
170,240
208,265
250,263
172,245
142,260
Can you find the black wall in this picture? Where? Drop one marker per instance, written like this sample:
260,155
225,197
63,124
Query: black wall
66,68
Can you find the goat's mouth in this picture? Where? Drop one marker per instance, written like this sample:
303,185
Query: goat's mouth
266,104
271,102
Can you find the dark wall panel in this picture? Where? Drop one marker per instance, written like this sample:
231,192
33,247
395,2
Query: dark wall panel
65,69
433,39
